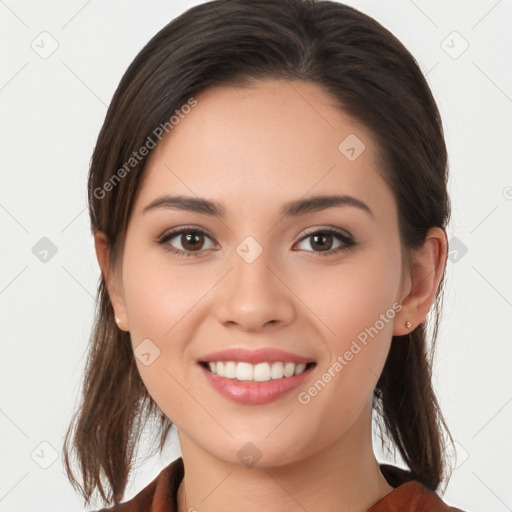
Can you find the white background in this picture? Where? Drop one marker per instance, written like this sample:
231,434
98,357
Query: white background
52,110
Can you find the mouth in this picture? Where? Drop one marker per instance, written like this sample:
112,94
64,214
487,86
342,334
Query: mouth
261,372
255,377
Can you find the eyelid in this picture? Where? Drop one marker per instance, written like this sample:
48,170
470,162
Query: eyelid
322,229
307,232
181,229
169,234
347,239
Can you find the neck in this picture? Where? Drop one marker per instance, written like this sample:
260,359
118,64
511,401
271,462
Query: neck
341,477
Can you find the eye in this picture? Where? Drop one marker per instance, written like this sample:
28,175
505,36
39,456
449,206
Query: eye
190,239
323,241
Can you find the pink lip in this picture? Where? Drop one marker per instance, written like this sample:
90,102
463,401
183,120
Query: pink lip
261,355
254,393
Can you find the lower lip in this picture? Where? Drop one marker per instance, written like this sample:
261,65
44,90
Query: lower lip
253,393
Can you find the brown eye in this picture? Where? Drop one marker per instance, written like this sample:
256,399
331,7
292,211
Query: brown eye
185,242
192,241
323,242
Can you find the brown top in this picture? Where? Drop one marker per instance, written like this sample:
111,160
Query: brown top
409,495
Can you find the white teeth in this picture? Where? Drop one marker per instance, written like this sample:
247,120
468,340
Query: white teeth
230,370
289,369
277,371
261,372
300,368
243,371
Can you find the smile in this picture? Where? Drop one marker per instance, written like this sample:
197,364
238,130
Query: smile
261,372
260,383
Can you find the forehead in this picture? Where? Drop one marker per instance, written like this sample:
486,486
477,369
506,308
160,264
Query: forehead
273,141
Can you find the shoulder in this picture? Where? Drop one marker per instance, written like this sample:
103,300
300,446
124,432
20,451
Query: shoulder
412,497
159,495
409,495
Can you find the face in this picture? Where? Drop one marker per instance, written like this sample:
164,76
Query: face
321,282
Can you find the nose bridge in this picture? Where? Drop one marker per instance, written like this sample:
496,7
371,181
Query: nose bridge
253,296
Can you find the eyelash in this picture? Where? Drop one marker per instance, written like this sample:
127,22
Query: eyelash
347,241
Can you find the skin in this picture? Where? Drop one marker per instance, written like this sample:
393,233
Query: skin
252,150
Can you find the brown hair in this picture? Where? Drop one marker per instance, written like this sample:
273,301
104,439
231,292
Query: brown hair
373,78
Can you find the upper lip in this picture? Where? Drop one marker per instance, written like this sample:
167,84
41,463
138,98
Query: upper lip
261,355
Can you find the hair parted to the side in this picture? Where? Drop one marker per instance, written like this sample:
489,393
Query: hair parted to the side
374,79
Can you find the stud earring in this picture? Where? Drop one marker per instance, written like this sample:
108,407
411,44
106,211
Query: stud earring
118,322
408,325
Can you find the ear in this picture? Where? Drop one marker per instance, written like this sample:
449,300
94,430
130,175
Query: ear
423,279
114,284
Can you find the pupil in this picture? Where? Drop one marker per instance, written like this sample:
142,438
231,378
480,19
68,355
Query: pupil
190,238
322,243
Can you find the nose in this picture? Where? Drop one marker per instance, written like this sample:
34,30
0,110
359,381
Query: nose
254,295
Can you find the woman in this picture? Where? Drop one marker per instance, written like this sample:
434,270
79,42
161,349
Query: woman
268,202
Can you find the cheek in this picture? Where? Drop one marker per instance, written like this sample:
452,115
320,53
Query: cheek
356,304
159,294
162,382
160,299
353,297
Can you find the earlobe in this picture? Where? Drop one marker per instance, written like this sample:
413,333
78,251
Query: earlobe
428,264
113,286
120,324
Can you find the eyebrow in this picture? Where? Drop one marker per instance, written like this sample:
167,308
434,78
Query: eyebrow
290,209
